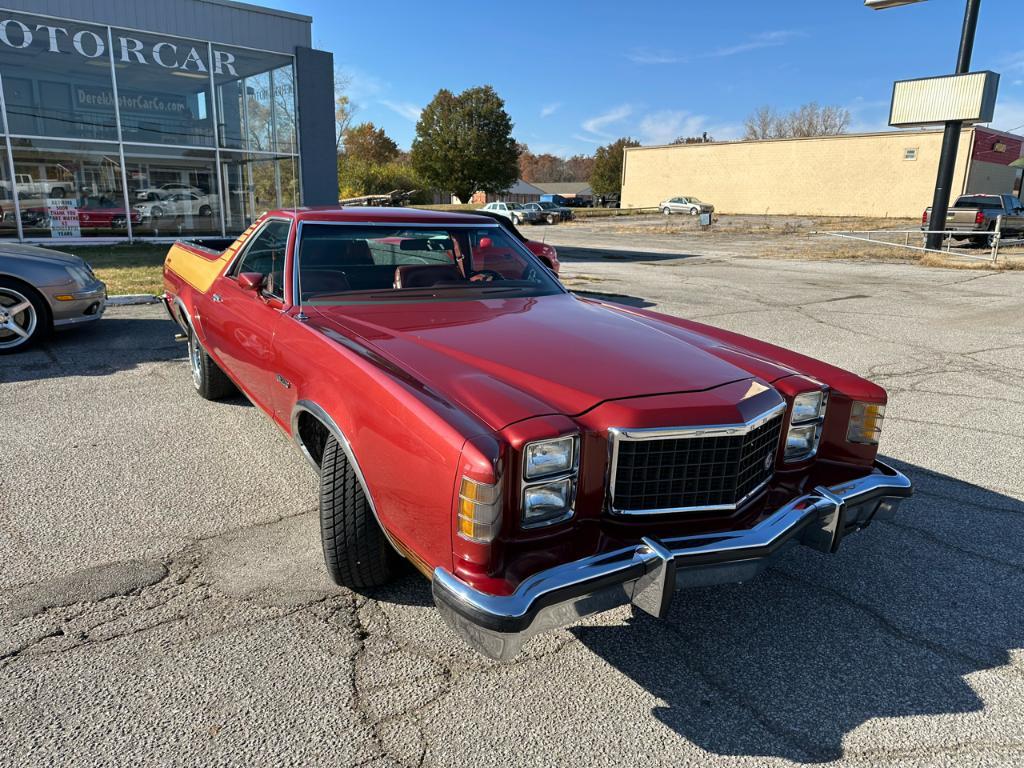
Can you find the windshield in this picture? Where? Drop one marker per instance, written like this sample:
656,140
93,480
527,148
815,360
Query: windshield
547,205
344,264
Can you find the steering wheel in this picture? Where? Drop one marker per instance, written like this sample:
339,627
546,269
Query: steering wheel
489,275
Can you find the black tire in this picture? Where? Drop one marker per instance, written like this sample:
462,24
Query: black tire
357,553
37,323
205,210
551,218
694,211
209,380
666,211
156,212
57,193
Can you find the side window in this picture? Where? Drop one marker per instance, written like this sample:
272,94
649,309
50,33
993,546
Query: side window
266,255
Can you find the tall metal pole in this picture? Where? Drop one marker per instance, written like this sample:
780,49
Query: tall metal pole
951,136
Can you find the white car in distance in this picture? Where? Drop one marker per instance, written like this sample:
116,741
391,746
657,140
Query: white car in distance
178,204
512,211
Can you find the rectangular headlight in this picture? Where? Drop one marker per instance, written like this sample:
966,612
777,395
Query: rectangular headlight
865,423
800,442
549,457
479,510
807,406
547,503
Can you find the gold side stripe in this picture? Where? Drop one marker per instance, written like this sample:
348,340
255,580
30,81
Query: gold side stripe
193,269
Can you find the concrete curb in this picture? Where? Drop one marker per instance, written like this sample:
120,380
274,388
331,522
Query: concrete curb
131,299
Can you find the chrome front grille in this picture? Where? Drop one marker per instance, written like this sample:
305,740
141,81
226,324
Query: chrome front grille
692,469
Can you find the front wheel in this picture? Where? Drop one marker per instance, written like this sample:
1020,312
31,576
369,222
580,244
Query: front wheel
206,211
23,316
356,551
667,211
694,211
209,380
550,218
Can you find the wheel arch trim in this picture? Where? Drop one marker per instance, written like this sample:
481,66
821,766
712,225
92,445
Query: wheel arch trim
317,412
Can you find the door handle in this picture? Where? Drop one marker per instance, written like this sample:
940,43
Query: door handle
216,297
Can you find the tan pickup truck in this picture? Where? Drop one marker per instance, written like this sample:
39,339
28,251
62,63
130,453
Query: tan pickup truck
973,217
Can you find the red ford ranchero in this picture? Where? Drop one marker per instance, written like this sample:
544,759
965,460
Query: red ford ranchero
539,456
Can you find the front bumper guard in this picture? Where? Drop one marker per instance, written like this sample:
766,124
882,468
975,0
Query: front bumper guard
647,574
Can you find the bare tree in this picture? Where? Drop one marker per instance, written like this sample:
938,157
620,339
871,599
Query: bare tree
762,123
344,109
807,120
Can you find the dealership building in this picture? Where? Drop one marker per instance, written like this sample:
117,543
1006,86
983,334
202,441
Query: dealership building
889,174
138,119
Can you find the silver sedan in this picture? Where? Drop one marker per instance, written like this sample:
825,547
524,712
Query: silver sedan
42,290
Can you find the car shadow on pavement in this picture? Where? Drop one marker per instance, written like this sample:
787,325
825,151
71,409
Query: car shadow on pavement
792,663
576,253
115,343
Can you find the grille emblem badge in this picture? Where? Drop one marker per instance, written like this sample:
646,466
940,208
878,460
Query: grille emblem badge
768,461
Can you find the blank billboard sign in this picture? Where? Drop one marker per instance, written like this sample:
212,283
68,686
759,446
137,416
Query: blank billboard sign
970,98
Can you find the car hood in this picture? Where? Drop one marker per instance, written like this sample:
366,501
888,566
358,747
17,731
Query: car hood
35,253
510,359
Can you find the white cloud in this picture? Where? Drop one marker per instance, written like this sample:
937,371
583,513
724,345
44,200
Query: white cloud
1009,115
587,139
549,109
771,39
362,86
405,109
665,126
647,56
596,125
868,116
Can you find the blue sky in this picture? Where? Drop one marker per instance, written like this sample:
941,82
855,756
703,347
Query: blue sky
575,75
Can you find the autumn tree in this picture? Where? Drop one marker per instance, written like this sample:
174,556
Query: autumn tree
810,119
606,178
464,143
547,167
368,143
579,168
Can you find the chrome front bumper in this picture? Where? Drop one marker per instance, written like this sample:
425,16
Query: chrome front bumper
648,573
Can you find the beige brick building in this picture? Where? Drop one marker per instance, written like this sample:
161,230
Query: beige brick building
888,174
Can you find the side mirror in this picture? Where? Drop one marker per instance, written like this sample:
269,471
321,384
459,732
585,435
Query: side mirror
251,281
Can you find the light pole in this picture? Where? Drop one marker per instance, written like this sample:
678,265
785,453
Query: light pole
951,135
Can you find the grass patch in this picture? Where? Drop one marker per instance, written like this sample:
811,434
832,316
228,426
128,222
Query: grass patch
125,267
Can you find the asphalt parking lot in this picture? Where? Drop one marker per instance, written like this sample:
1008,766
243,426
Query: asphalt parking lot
163,599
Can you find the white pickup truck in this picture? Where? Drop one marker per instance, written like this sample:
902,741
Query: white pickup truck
30,187
973,217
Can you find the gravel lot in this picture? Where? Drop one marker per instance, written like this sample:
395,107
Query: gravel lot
163,600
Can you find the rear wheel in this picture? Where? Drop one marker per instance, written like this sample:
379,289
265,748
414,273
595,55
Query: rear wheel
209,380
667,211
550,218
23,316
205,210
356,551
694,211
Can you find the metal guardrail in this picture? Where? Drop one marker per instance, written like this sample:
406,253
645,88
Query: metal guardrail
876,237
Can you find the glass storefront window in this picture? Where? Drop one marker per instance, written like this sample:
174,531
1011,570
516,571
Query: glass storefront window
284,110
173,192
56,78
255,100
69,189
190,159
254,184
163,89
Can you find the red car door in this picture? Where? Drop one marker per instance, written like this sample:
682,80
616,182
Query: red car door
240,323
